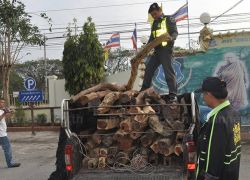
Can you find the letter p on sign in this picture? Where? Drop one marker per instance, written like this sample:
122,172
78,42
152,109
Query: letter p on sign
30,83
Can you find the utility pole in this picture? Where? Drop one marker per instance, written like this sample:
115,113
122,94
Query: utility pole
45,70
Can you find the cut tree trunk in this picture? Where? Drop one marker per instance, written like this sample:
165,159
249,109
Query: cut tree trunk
153,159
92,163
103,152
125,143
102,162
178,149
107,141
108,100
119,134
159,126
179,137
126,125
162,146
141,55
92,96
106,124
135,135
128,97
96,138
148,138
99,87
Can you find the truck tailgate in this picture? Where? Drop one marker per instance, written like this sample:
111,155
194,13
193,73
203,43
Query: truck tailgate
158,174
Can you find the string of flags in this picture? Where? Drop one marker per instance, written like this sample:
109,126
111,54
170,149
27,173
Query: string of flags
114,41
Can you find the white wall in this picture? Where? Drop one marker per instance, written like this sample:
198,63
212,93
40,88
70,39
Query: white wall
57,92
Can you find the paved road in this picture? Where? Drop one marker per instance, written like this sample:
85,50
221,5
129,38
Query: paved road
37,155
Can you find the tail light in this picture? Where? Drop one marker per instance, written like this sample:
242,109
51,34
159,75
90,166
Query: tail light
191,155
68,151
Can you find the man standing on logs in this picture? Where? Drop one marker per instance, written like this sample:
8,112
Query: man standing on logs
219,144
163,53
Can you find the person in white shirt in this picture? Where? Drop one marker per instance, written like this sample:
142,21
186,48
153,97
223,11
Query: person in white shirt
4,140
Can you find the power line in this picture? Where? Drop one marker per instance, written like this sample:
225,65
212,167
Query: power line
95,7
228,10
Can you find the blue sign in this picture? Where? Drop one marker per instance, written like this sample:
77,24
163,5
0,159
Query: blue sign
30,96
30,83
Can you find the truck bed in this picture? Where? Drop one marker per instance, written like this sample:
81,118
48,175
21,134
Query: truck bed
157,173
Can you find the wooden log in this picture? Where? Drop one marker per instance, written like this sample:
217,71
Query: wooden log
92,96
178,149
92,163
128,96
90,145
148,109
103,152
178,125
125,143
111,159
94,153
139,126
135,135
96,138
159,126
99,87
126,125
141,55
108,100
107,141
148,138
102,162
106,124
163,146
122,157
119,134
153,159
179,137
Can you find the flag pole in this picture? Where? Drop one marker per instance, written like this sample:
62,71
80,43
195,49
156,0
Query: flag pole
136,37
189,45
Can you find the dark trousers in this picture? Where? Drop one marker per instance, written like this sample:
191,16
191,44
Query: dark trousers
161,56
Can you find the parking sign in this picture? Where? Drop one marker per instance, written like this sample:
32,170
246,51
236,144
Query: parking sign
30,84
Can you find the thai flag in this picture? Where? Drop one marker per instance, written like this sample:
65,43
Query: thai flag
114,41
134,38
181,13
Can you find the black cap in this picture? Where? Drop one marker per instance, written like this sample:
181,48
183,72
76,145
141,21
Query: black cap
153,7
212,84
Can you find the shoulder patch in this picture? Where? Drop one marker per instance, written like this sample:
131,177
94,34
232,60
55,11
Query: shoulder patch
172,19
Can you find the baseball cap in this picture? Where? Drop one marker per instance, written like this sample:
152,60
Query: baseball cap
153,7
212,84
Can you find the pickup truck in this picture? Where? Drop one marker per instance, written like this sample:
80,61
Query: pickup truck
70,152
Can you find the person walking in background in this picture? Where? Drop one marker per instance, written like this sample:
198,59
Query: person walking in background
4,140
164,52
219,141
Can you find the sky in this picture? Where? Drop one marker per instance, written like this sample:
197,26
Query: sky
106,14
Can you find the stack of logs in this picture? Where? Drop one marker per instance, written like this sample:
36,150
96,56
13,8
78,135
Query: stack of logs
130,123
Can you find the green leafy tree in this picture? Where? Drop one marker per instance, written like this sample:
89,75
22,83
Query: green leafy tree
36,69
83,60
16,32
119,61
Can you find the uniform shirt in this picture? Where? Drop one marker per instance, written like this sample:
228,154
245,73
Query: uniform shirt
172,30
219,145
3,126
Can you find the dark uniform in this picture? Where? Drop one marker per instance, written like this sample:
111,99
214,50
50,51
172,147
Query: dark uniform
163,53
219,146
